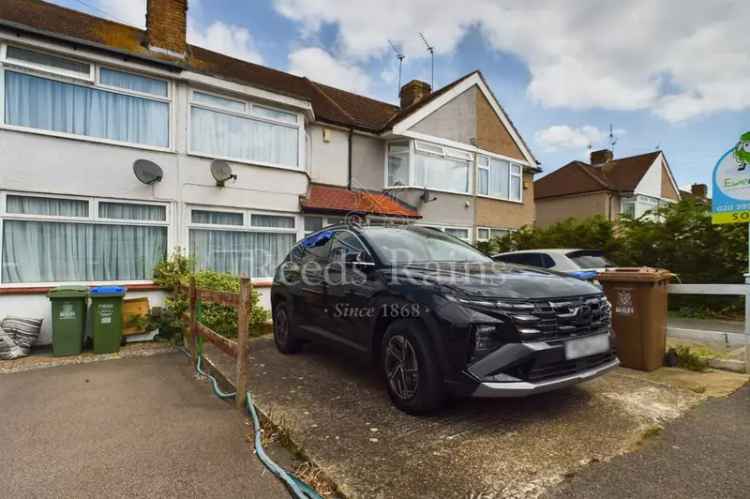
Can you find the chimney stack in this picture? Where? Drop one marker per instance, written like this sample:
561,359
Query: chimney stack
699,190
413,92
166,27
601,156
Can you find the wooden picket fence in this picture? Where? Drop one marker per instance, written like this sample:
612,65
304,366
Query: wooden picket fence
238,349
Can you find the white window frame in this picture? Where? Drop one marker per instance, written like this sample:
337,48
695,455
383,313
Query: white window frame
92,82
430,149
92,218
326,221
490,230
297,230
511,175
442,228
247,114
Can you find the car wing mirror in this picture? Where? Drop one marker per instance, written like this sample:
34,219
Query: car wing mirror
358,259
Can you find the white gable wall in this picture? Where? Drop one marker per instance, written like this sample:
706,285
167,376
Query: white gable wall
650,184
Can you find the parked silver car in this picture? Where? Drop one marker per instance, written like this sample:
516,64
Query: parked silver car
570,261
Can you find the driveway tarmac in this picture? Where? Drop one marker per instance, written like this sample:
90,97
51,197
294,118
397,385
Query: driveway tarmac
140,427
337,410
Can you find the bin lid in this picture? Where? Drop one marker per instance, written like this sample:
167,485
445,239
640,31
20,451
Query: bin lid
105,291
635,274
69,292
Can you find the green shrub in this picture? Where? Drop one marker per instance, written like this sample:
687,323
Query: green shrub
220,318
688,359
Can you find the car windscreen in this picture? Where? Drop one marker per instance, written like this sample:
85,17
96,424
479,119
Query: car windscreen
419,245
588,259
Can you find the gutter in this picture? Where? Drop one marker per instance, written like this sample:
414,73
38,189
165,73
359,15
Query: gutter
77,42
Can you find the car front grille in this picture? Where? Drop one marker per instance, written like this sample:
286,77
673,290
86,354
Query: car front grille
551,320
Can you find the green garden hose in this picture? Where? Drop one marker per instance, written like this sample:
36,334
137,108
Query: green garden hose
297,487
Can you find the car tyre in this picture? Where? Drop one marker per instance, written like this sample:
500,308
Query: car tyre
283,334
412,374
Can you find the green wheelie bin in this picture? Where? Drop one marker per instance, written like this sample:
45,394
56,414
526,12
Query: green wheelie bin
106,316
68,319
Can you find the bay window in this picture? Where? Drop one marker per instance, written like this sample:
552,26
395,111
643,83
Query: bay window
56,239
498,178
234,129
431,166
240,241
55,94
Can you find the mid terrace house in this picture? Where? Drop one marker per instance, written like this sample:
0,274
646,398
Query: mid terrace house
83,99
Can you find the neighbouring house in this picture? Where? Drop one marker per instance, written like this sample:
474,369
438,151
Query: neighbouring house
699,192
606,186
82,99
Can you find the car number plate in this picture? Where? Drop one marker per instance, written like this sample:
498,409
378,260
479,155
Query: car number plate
583,347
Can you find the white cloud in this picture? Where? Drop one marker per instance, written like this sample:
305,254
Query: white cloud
132,12
678,59
235,41
319,65
230,39
564,137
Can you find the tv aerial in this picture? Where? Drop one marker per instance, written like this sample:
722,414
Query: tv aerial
221,171
431,50
147,171
400,56
612,138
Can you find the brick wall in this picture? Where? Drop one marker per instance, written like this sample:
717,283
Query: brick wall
492,136
505,214
166,25
667,189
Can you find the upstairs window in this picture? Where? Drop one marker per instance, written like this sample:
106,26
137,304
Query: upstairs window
498,178
427,165
232,129
58,95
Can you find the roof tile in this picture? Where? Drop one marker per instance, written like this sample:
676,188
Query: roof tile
331,199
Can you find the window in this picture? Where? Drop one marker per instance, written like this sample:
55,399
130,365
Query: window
243,131
499,178
398,164
315,223
487,233
41,93
43,61
459,233
432,166
240,242
441,168
50,240
639,205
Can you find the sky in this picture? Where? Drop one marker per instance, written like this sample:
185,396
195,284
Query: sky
673,75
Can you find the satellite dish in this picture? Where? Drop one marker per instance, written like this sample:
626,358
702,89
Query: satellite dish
147,171
221,172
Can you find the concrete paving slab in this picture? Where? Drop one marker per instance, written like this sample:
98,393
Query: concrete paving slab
339,412
139,427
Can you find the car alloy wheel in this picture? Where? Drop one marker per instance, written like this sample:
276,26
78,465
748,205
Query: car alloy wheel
281,326
401,367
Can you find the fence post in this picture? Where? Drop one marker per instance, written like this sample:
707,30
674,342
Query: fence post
193,308
243,333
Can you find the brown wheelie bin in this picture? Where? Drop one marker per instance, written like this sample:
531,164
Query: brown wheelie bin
639,314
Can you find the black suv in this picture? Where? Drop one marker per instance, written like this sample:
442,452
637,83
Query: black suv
439,317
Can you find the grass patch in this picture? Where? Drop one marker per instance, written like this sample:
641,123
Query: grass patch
652,432
691,358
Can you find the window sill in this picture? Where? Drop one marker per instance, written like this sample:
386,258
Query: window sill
249,163
19,289
418,188
493,198
83,138
43,290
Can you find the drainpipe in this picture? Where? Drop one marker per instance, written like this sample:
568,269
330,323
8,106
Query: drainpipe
349,176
